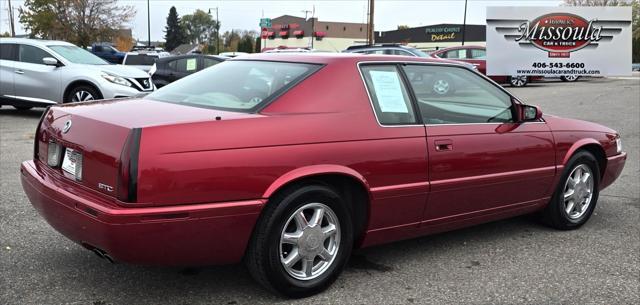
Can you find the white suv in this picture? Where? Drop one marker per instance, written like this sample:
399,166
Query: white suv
39,73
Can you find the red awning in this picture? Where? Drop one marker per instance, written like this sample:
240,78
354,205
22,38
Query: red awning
298,33
320,34
284,33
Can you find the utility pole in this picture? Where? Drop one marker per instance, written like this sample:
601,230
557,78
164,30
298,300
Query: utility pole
306,13
370,37
11,25
217,32
464,23
148,25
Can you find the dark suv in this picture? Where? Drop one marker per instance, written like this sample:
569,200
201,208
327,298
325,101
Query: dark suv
386,49
169,69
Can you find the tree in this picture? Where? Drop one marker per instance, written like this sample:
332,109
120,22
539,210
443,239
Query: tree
175,34
200,27
403,27
258,45
5,34
635,18
246,42
81,22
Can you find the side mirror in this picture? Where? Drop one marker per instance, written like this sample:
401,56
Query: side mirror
50,61
529,113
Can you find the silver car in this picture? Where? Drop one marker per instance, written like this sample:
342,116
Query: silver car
39,73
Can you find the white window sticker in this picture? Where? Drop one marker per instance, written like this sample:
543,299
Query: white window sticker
389,91
191,64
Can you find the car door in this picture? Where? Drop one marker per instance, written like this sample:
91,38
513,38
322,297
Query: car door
8,56
481,159
33,80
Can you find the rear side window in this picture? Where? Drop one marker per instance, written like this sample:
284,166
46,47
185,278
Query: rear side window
208,62
389,95
239,85
8,51
31,54
455,54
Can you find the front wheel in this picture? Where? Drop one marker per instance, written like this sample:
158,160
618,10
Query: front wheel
518,81
82,94
576,194
569,78
301,242
22,108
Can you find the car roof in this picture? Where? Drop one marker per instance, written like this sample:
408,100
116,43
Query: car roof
333,58
174,57
36,42
459,47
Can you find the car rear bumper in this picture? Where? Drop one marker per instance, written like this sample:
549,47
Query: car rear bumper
614,167
187,235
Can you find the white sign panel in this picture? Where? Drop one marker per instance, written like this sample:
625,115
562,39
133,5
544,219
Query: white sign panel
556,41
389,91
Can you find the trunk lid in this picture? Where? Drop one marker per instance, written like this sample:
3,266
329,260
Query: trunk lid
106,134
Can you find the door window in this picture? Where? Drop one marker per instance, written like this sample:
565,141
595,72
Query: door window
452,95
8,51
478,54
31,54
455,54
389,96
185,65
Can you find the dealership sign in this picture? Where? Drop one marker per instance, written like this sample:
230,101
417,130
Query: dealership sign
555,41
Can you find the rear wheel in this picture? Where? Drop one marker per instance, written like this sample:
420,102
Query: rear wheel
82,94
576,194
518,81
301,242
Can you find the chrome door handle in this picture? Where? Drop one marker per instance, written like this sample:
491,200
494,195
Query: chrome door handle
19,72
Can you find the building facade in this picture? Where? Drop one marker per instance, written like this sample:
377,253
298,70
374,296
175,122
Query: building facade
296,32
434,37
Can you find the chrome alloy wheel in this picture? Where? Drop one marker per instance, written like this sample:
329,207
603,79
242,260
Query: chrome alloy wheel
310,241
578,191
82,96
441,86
571,78
519,81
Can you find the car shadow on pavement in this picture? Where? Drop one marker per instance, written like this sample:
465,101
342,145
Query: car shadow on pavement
233,284
31,113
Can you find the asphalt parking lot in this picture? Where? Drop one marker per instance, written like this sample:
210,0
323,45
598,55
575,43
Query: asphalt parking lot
515,261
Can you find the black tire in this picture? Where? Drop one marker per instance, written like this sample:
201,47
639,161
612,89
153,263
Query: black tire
518,81
569,79
23,108
82,88
554,214
437,85
263,253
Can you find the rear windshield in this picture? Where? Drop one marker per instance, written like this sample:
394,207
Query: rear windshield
241,86
140,60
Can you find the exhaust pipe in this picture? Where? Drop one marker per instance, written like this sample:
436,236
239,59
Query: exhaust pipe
99,252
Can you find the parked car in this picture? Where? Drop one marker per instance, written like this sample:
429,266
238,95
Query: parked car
386,49
289,162
477,55
232,54
143,60
169,69
107,52
40,73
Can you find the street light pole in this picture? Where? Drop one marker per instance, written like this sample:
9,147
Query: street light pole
370,37
148,26
11,25
464,23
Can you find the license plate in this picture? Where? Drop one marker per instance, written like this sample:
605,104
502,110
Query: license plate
72,162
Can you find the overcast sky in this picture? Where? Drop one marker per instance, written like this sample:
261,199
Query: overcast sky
241,14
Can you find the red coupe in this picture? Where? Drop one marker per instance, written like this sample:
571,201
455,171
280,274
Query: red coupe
289,162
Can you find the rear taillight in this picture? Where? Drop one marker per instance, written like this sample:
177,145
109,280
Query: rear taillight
37,138
128,167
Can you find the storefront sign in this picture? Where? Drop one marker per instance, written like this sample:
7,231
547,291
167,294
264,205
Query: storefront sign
556,41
